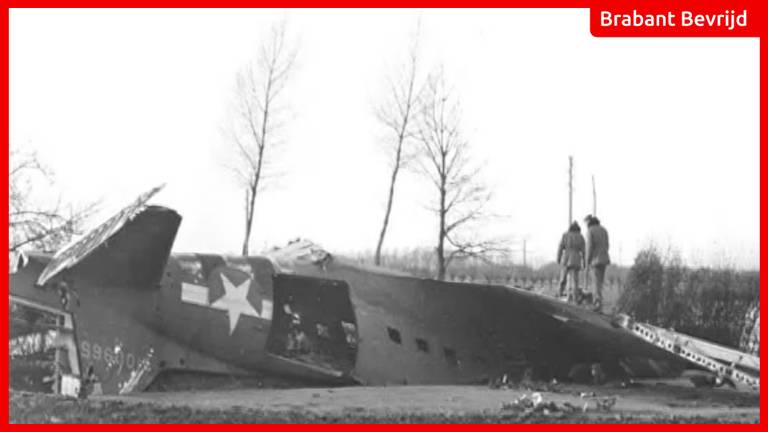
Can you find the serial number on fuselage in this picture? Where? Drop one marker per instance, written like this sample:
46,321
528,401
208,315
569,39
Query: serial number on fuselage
112,356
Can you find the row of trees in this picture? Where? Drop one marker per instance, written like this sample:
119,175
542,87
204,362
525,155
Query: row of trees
420,113
420,262
422,117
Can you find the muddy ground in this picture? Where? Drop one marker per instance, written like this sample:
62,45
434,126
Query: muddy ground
647,403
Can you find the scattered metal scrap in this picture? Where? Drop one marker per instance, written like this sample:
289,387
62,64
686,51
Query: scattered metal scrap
529,404
535,403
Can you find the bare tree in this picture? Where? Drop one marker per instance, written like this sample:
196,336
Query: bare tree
444,161
33,225
397,114
259,116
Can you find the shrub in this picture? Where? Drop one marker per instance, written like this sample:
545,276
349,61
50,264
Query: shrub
708,303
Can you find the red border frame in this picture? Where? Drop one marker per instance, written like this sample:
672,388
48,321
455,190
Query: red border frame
757,10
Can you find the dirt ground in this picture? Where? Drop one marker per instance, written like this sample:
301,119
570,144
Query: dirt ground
647,403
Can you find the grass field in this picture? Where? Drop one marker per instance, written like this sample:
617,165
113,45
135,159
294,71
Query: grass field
650,403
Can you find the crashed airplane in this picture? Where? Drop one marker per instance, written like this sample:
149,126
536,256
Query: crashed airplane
120,310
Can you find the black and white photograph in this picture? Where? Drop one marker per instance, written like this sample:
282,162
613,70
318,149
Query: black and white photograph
379,216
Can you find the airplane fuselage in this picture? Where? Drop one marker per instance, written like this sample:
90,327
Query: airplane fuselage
322,321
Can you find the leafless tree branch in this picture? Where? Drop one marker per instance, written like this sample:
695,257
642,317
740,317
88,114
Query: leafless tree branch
461,198
256,123
397,114
33,225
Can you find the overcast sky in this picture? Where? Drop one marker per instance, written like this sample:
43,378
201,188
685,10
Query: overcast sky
117,101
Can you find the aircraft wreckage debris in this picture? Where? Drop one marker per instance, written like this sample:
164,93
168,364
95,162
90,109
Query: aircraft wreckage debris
141,313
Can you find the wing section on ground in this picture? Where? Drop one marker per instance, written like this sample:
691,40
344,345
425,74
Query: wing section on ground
131,247
709,349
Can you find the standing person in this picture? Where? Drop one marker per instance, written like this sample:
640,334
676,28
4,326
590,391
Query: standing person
570,256
597,255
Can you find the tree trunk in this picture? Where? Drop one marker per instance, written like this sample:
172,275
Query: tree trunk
385,224
245,242
395,170
257,175
250,202
441,237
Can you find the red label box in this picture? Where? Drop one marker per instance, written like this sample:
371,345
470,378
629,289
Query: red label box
686,19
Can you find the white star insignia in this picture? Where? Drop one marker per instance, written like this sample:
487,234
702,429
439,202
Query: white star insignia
235,301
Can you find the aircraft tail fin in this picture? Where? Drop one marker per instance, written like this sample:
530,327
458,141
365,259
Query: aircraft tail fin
130,248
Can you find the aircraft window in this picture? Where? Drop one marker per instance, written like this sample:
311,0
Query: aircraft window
394,335
450,356
422,345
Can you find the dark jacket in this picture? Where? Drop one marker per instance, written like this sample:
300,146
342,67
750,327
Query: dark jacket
597,245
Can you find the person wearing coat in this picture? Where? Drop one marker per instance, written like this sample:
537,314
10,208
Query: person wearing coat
570,256
597,255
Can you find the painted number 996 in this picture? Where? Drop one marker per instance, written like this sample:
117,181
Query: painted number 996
112,356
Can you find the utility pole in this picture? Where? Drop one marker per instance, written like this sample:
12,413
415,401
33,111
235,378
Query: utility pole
594,197
570,190
621,254
525,261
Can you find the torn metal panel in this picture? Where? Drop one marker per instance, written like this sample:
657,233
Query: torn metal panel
42,344
144,367
75,252
298,251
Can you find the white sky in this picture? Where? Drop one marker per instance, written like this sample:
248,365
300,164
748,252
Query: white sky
117,101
